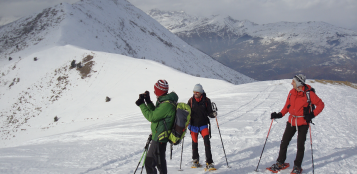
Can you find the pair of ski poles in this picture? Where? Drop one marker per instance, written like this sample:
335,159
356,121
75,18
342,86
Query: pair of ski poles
146,148
312,156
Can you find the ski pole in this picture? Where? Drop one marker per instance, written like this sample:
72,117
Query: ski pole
143,164
312,154
140,161
264,145
215,109
181,153
145,152
171,151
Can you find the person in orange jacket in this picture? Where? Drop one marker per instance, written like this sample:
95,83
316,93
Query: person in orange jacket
299,121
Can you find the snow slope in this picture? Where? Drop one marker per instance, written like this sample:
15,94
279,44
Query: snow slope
113,26
94,136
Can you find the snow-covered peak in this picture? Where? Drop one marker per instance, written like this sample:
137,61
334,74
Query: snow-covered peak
113,26
8,19
318,36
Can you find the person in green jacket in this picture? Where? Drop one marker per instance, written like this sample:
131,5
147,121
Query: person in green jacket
161,115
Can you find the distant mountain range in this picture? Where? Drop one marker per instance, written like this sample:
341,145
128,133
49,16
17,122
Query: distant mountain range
113,26
269,51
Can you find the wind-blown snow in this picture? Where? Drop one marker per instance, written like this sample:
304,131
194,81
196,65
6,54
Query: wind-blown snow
94,136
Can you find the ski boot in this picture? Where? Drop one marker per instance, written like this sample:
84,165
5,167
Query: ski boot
296,170
275,168
195,163
210,167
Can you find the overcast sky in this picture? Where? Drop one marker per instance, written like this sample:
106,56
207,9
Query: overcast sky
341,13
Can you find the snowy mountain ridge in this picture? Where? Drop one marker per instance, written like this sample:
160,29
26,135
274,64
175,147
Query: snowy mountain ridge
269,51
113,26
317,35
8,19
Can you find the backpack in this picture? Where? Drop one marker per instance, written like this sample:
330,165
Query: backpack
311,106
181,122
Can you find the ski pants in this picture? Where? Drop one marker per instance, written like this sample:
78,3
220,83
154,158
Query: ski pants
301,138
156,157
205,135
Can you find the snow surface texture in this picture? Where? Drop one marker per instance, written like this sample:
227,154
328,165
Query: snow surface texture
94,136
113,26
316,36
8,19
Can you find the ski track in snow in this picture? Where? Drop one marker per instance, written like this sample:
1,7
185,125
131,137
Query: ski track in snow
94,136
116,145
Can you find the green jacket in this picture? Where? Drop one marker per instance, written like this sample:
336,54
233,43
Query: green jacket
157,114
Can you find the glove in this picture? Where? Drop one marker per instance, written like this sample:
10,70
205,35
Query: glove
213,114
147,97
308,117
140,100
275,115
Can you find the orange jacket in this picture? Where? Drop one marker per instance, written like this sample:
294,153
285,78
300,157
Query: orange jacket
297,101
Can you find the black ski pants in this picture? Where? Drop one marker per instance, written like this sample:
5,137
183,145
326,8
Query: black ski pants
301,138
156,157
205,135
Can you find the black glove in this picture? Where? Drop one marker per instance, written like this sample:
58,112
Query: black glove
140,100
147,97
275,115
213,114
308,117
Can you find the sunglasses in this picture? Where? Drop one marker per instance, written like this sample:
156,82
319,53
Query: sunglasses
194,92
